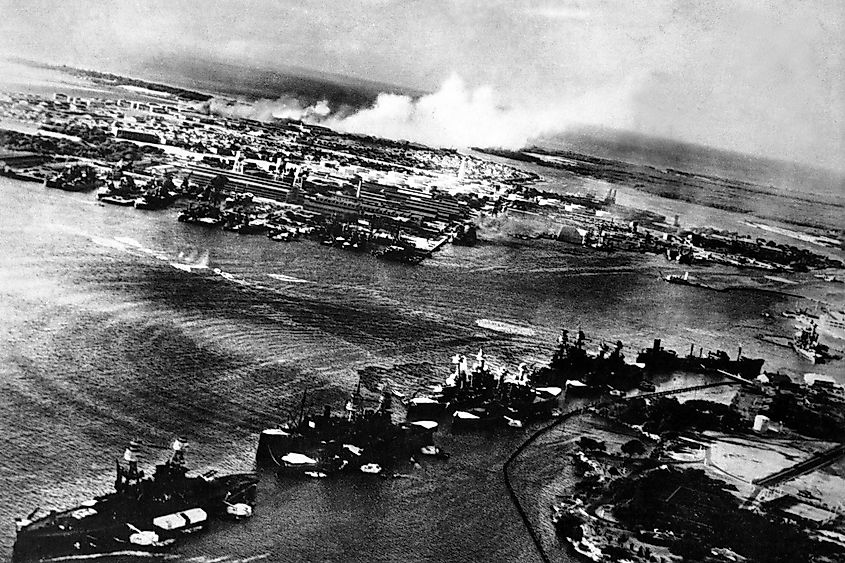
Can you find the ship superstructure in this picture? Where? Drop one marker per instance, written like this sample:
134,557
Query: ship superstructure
145,512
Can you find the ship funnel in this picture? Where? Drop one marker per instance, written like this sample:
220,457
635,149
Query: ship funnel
739,353
656,345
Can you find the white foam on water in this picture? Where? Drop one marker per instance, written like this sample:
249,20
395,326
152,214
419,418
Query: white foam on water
230,277
183,267
289,279
129,242
108,243
126,553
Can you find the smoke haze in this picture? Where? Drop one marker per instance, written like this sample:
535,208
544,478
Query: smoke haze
285,107
455,116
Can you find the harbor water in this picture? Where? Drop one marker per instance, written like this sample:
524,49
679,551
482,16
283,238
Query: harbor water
118,324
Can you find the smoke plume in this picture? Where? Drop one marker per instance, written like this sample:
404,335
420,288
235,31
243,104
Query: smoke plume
459,116
454,116
285,107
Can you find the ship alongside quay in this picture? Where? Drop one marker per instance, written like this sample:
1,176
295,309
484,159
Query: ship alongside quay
361,439
805,342
658,359
144,513
477,397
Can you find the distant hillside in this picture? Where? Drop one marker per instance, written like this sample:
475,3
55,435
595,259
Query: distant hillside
666,153
306,85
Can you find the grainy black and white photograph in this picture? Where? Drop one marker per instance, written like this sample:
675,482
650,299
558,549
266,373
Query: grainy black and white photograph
533,281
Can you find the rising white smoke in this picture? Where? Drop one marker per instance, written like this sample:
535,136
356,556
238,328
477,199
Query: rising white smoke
458,116
285,107
453,116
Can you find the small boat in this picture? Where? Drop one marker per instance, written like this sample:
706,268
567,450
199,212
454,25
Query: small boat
280,236
296,459
124,201
239,510
433,451
371,468
677,279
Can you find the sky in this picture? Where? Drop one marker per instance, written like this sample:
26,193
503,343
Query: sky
755,76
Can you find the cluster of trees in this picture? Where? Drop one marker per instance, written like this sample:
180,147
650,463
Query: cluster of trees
702,513
813,415
667,414
631,448
94,146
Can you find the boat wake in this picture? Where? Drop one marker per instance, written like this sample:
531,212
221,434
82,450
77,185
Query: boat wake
227,559
186,261
126,553
289,279
508,328
230,277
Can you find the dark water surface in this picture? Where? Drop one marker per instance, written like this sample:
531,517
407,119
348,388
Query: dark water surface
105,337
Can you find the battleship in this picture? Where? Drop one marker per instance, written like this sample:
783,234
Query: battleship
805,342
74,178
120,191
478,397
144,513
158,195
366,440
585,371
396,253
202,213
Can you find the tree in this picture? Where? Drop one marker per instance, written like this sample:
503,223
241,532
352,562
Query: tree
633,448
591,444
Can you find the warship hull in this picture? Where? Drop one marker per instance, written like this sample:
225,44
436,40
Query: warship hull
120,522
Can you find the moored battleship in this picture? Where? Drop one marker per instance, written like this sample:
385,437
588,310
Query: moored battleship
74,178
585,371
120,191
396,253
806,344
478,397
361,439
144,513
203,213
159,194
